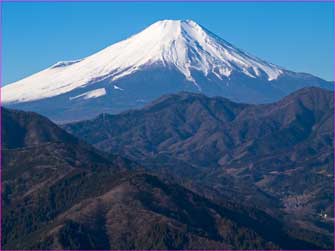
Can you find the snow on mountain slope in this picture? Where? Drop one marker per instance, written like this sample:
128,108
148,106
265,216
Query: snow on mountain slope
91,94
184,45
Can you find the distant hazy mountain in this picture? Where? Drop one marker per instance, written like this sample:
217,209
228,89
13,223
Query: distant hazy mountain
276,156
167,57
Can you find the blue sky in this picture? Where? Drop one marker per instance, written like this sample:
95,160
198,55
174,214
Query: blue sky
297,36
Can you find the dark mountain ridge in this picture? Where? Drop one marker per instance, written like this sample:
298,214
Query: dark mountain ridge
59,193
278,156
175,123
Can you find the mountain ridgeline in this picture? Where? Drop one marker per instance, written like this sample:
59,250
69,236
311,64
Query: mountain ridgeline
147,184
277,157
206,131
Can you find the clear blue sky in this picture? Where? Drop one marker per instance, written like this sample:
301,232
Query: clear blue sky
297,36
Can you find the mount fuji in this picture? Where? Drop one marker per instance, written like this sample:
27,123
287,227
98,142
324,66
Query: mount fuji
169,56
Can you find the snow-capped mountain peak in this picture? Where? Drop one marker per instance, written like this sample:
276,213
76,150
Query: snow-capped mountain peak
188,46
184,45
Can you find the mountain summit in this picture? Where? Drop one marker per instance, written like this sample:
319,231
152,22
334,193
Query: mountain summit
168,56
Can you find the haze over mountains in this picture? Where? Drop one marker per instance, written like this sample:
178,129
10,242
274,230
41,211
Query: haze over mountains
167,57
